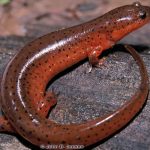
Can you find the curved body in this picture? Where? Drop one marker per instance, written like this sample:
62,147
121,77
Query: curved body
26,76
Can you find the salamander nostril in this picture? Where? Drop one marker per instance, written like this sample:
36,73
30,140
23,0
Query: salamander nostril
137,4
142,14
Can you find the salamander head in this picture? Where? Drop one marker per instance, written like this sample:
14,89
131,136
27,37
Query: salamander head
128,18
142,13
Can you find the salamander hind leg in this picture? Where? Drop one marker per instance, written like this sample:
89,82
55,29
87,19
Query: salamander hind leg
46,104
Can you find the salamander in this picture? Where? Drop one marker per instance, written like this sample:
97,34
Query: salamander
28,73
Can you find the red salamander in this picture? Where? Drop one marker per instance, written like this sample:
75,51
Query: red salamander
39,61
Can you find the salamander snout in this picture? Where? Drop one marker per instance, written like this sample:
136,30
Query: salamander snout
143,11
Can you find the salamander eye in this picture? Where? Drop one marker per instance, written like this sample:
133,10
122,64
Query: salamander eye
142,14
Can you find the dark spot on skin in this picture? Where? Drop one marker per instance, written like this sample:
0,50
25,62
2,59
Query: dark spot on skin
53,36
78,138
73,32
26,111
46,61
36,114
130,112
35,76
114,123
13,93
124,119
49,142
96,134
86,141
30,132
102,129
21,128
63,142
12,120
2,128
24,78
6,87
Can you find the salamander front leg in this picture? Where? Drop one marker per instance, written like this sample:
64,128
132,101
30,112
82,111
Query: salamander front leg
94,59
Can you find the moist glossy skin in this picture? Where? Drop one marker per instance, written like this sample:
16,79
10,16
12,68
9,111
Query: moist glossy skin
28,73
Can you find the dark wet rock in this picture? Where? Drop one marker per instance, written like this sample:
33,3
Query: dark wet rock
89,6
